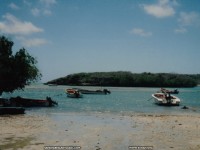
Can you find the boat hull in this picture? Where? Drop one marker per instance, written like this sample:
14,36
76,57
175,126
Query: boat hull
94,92
27,102
11,110
74,96
97,92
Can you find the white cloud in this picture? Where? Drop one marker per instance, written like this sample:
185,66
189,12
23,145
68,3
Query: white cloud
35,11
21,30
140,32
48,2
13,6
33,42
164,8
180,30
47,12
27,2
12,25
187,19
44,8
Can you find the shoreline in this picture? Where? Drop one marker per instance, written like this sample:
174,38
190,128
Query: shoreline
100,131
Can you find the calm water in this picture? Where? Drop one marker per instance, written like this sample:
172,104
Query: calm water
121,100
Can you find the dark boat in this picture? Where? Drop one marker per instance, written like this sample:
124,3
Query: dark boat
27,102
101,92
11,110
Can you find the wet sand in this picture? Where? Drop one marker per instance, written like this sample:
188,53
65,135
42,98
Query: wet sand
100,131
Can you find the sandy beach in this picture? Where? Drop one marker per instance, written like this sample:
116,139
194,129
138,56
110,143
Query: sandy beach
100,131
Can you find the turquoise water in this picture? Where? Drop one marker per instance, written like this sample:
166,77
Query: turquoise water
121,100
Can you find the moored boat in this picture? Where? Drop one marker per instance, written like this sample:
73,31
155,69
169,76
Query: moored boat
74,93
100,92
27,102
166,99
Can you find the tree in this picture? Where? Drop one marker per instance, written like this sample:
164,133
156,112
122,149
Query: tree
17,70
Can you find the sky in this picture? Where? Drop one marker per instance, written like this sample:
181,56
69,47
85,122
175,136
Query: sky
72,36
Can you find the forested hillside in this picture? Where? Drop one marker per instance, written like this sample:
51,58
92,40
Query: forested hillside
128,79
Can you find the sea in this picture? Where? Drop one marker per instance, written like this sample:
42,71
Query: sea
122,100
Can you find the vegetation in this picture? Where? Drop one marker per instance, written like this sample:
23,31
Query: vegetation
17,70
128,79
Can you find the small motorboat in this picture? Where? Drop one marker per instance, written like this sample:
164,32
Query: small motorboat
74,93
166,99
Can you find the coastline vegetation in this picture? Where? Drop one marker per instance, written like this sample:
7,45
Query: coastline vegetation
129,79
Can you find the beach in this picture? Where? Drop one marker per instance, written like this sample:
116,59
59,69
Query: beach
95,131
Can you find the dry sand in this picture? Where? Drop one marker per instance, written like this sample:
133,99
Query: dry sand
100,131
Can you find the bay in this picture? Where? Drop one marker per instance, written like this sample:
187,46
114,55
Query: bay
121,100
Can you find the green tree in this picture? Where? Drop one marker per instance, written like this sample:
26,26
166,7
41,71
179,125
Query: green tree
17,70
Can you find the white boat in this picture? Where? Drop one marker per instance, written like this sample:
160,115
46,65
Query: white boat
166,99
74,93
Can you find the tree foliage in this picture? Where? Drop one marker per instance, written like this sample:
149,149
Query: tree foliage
17,70
128,79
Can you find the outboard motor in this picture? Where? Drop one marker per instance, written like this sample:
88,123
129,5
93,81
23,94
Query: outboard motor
106,91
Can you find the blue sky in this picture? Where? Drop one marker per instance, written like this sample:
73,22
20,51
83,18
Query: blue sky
72,36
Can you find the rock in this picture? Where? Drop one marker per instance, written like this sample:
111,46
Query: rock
185,107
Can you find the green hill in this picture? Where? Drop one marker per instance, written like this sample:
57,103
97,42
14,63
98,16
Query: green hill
128,79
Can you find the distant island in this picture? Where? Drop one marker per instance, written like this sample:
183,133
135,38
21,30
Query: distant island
128,79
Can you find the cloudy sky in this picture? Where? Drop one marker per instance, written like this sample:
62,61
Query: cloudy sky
71,36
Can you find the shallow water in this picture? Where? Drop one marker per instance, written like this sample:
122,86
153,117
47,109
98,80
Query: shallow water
121,100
